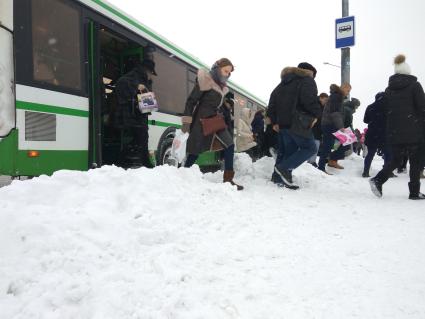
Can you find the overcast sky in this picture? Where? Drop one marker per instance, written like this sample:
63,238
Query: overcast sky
262,37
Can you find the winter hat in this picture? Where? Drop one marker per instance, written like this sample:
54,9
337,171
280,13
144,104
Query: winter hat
400,65
308,66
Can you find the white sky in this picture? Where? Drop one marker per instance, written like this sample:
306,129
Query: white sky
263,37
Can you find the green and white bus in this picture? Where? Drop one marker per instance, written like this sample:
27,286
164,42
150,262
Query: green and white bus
57,61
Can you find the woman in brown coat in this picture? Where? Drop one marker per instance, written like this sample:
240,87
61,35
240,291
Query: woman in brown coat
203,102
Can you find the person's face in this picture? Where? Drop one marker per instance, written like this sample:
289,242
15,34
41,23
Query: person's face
226,71
323,100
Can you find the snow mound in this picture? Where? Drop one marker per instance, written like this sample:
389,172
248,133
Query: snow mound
174,243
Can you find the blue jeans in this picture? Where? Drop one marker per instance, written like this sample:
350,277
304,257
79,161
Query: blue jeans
328,143
371,151
298,149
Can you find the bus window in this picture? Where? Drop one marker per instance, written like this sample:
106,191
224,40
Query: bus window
56,44
191,80
170,86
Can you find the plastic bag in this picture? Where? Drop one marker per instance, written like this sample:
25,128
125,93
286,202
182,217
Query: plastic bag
345,137
178,148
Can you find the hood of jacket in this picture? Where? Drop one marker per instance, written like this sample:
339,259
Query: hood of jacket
289,74
401,81
206,83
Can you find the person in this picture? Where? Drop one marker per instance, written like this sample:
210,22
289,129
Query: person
293,110
204,102
375,138
332,121
128,115
244,135
405,113
257,126
317,128
270,139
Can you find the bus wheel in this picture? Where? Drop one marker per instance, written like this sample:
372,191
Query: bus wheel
164,156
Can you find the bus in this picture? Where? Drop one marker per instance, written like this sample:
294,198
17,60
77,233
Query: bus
58,62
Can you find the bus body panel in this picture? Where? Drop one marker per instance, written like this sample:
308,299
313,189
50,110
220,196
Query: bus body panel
6,14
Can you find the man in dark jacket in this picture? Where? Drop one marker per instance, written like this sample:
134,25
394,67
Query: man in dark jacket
405,127
375,138
128,115
332,121
293,98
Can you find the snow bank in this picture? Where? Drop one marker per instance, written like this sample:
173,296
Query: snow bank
173,243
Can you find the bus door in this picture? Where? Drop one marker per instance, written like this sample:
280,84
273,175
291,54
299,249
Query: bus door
95,86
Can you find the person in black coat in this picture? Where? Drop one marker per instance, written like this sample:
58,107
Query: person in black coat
257,126
405,128
128,115
295,95
375,138
317,128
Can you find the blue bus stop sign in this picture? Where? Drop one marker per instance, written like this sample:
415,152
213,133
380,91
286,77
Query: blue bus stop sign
344,32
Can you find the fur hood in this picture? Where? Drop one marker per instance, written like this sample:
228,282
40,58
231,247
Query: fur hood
207,83
295,71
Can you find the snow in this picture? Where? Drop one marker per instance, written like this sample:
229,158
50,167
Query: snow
174,243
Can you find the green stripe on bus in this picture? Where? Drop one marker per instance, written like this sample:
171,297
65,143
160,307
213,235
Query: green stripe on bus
163,124
50,109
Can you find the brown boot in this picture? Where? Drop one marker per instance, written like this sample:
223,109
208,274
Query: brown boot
334,164
228,177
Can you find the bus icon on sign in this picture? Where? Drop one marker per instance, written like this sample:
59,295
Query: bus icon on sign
344,28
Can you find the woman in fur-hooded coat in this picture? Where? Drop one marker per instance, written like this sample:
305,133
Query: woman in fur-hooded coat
204,101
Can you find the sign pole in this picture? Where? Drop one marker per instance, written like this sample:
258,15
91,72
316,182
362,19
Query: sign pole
345,52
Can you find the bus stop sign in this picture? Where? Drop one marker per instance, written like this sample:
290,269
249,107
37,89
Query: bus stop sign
344,32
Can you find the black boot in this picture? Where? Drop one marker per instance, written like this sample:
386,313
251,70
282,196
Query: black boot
414,191
376,187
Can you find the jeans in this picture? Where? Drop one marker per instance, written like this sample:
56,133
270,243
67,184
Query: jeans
371,153
228,158
298,149
328,143
312,159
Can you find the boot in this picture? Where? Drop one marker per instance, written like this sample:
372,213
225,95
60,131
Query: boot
414,191
228,177
334,164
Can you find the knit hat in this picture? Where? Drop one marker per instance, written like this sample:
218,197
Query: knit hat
308,66
400,65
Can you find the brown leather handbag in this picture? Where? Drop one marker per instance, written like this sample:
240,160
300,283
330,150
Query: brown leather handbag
213,124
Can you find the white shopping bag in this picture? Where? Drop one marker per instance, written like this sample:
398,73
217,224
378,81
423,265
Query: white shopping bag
178,149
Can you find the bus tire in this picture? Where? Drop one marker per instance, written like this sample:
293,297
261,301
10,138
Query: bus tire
164,154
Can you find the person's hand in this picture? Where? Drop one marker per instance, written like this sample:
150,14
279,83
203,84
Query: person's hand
185,128
141,87
276,128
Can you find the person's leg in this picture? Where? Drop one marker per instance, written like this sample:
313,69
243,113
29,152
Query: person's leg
229,173
301,149
190,160
368,160
312,159
328,142
396,160
415,153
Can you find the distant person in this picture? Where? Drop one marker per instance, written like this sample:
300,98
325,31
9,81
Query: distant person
244,135
317,128
332,121
405,127
128,116
203,102
257,126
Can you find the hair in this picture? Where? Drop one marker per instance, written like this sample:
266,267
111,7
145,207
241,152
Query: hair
224,62
346,85
323,95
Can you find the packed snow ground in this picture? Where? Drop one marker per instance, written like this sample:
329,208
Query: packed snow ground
173,243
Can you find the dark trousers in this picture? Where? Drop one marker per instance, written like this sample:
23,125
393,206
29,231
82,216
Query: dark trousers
416,157
371,151
228,155
297,150
328,141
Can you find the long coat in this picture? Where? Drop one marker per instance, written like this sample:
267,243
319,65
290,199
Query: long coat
333,112
405,110
375,119
203,102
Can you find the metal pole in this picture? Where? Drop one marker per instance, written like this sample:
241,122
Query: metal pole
345,52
